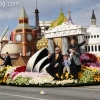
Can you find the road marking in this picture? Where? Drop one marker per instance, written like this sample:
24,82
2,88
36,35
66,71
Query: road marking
21,96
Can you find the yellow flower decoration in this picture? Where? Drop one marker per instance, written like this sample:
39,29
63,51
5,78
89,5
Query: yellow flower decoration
66,75
79,74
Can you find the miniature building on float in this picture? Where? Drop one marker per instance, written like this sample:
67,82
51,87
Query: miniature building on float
60,33
39,61
23,35
44,41
21,61
44,25
93,37
12,49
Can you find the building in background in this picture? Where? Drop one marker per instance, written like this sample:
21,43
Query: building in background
93,37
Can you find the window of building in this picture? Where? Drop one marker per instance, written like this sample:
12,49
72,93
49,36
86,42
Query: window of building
28,30
19,30
92,48
20,21
98,47
94,36
91,36
47,28
25,21
97,36
88,48
95,48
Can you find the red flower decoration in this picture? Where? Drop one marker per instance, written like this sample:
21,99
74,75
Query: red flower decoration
21,69
89,59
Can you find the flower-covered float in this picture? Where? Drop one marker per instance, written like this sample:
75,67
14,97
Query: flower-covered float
21,76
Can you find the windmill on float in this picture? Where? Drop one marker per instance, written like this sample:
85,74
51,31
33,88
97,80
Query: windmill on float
3,34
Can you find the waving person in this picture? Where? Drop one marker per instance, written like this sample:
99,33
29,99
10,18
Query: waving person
76,46
55,60
6,59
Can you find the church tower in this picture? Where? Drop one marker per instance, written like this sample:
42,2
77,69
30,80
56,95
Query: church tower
37,23
93,19
23,36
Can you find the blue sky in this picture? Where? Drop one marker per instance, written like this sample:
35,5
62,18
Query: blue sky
81,11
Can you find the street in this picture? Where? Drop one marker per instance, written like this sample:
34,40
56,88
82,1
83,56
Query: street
52,93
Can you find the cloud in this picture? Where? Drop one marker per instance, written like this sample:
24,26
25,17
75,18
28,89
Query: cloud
49,10
44,6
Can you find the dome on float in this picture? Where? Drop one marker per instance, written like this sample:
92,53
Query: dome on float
59,20
42,43
93,32
93,37
11,48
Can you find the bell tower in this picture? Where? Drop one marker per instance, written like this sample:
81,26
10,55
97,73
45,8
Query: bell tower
23,36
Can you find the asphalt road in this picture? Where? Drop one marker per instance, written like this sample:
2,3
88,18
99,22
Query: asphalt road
52,93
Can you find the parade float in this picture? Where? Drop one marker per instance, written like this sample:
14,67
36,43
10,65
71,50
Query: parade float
33,75
32,71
